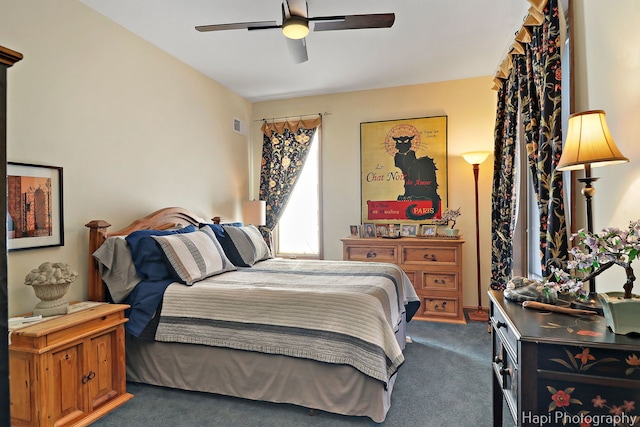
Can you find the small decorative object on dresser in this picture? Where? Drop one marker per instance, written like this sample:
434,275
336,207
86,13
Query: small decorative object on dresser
429,230
611,246
409,230
354,231
450,216
433,265
369,230
50,282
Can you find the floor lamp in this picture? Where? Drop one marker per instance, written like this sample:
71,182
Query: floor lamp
589,144
475,158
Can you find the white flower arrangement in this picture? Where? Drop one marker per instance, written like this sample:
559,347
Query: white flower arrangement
603,250
449,216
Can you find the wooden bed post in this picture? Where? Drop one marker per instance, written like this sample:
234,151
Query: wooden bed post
97,236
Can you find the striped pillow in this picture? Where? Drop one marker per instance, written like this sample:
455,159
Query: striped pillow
247,245
194,256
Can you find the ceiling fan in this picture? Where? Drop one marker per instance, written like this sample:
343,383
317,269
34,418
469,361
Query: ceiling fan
295,25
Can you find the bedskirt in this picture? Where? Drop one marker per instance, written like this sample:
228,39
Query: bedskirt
339,389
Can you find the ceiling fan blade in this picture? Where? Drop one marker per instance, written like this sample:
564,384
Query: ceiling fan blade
298,50
353,22
297,8
258,25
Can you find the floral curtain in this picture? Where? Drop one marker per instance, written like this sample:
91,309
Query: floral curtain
504,198
535,67
284,151
540,95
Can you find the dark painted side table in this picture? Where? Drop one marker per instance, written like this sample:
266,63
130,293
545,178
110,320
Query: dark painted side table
561,370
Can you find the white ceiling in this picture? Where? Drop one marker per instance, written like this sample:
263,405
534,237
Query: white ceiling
430,41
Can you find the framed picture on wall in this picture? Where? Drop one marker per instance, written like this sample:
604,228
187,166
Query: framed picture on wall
403,169
34,206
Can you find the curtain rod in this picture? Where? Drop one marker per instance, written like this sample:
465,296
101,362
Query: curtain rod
326,113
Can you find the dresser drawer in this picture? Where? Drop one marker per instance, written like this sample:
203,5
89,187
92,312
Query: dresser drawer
505,333
430,255
366,253
440,307
439,281
507,373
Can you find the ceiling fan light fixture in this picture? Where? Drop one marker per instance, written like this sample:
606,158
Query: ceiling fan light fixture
295,27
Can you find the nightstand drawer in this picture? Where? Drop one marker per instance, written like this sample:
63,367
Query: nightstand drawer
506,372
504,331
366,253
431,255
440,306
439,281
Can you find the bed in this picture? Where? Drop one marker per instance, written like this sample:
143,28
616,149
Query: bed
213,311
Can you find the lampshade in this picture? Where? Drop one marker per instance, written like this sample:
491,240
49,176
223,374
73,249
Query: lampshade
254,212
476,157
589,142
296,27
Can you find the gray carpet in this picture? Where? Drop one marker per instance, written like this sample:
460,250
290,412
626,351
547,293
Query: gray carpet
445,381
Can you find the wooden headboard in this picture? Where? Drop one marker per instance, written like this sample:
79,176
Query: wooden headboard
158,220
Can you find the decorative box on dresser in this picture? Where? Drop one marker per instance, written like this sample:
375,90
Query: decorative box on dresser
68,370
434,266
556,369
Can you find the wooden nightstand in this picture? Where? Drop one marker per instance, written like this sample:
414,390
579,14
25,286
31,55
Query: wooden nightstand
68,370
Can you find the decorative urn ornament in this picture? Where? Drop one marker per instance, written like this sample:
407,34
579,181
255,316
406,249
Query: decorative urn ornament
50,282
603,250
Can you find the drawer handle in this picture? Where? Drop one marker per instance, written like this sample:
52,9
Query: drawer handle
500,324
371,254
88,377
428,257
444,306
440,281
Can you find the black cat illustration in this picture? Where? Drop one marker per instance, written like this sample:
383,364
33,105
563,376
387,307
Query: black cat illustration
420,181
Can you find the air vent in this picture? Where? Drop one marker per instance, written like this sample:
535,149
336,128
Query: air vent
239,126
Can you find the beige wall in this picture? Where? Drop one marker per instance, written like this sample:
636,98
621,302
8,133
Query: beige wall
470,107
607,74
134,129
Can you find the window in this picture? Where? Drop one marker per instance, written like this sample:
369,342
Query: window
526,236
298,231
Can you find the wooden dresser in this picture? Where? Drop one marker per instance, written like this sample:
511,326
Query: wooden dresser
433,265
68,370
555,369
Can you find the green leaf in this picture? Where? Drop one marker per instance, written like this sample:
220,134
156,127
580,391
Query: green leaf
551,390
563,363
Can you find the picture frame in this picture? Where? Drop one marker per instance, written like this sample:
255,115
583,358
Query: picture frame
355,231
393,230
382,230
409,230
429,230
34,206
403,169
369,230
